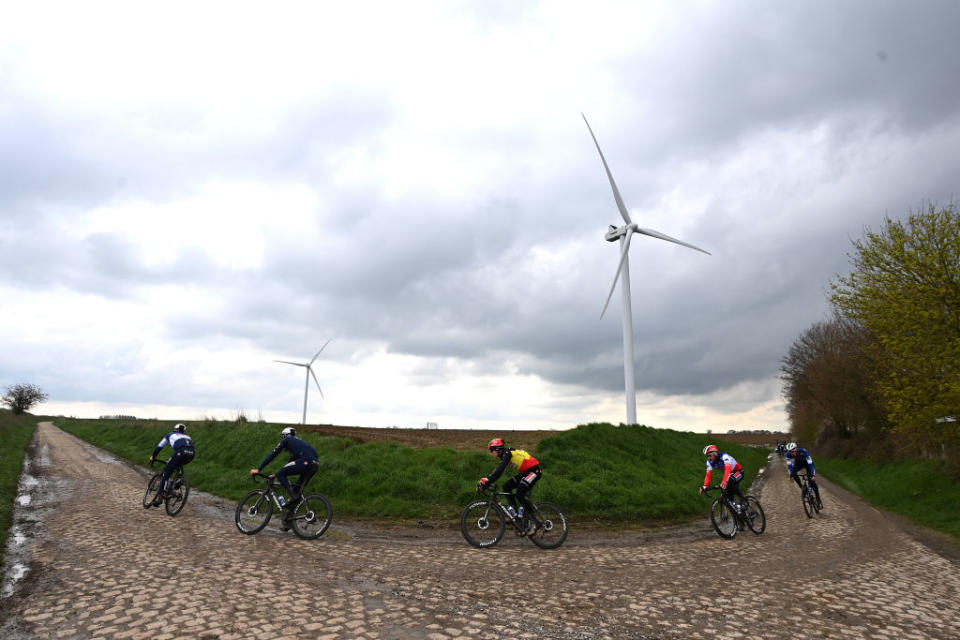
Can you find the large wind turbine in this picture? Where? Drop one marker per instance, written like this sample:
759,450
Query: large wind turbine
306,386
623,234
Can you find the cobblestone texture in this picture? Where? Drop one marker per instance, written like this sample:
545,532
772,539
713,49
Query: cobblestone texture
107,568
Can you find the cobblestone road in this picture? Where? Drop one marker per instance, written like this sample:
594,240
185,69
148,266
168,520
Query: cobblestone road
103,567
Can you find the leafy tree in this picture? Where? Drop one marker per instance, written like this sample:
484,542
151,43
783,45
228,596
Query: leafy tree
828,382
20,397
905,292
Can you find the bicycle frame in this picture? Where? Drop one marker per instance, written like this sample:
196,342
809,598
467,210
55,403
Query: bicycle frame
739,514
270,486
498,498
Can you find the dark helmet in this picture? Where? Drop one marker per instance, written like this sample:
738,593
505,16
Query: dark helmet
496,443
179,427
289,431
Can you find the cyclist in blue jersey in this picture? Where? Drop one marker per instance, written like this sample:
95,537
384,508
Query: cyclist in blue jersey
304,462
183,453
799,458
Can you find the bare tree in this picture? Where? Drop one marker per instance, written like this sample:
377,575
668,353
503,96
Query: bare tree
20,397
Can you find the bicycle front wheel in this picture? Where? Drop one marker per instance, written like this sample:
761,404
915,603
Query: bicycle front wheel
723,518
253,512
152,487
178,496
553,526
312,516
754,515
482,524
808,503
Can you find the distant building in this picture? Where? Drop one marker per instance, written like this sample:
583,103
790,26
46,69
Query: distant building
118,417
431,425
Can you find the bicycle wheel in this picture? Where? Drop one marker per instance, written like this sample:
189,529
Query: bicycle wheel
553,526
253,512
152,487
482,524
808,503
178,496
312,516
723,519
753,513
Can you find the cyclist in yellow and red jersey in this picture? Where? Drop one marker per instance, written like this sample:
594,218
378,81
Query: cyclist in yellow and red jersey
528,473
732,472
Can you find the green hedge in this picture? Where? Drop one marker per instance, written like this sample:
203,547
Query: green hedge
592,471
15,435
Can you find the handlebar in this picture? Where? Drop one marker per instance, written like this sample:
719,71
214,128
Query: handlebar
156,460
268,477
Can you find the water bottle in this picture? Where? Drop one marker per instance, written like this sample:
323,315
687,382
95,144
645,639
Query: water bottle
520,512
281,500
513,514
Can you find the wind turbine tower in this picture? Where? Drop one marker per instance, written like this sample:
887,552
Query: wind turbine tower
623,234
309,373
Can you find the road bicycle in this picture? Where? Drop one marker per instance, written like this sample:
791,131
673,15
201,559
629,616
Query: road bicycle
729,517
176,495
484,521
810,503
309,517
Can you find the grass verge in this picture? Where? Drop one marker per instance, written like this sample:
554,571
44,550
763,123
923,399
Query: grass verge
921,490
592,471
15,435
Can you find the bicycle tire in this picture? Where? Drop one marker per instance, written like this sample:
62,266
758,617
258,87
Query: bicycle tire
482,524
253,512
178,496
152,487
808,506
753,514
312,516
553,526
723,518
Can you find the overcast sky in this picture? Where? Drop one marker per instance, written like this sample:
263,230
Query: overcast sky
190,191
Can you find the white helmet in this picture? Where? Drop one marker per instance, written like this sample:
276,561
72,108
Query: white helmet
791,446
289,431
179,427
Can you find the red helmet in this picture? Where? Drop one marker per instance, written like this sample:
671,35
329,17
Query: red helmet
710,448
496,443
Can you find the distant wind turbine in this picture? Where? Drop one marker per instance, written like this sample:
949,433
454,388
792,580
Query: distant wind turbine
306,386
623,234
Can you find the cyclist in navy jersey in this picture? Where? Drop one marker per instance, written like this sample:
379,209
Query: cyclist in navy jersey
183,453
799,458
304,462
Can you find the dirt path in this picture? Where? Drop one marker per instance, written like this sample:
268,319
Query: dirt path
104,567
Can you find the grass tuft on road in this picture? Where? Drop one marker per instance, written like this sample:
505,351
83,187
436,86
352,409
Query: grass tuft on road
922,490
593,471
15,435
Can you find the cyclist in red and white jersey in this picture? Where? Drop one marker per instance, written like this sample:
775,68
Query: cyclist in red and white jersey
732,472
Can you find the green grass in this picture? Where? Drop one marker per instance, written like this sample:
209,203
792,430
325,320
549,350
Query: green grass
15,435
922,490
593,471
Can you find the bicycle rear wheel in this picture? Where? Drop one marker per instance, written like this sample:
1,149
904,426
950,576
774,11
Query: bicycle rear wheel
253,512
312,516
753,513
553,526
482,524
152,487
178,496
723,518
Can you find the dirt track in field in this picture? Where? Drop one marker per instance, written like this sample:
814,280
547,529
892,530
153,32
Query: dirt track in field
101,566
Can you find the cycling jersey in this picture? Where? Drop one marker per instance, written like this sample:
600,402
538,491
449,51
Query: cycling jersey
298,449
179,442
516,458
724,461
799,459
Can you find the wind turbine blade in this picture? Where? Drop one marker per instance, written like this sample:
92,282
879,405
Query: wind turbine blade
298,364
315,380
321,350
663,236
613,185
623,258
